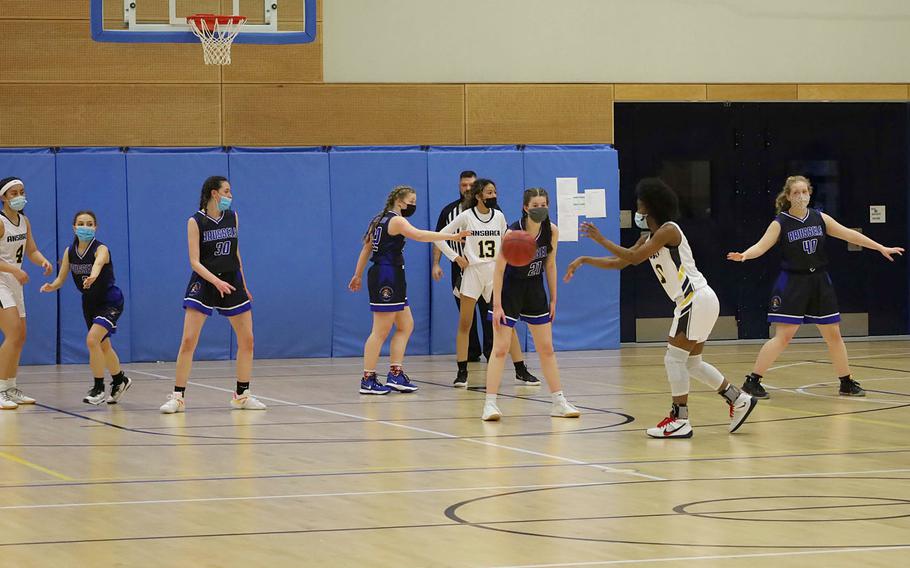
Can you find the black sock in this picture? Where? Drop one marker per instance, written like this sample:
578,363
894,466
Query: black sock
754,376
99,383
118,378
243,387
519,366
462,366
847,378
181,390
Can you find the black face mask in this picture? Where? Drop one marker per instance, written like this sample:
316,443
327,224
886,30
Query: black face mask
408,210
490,202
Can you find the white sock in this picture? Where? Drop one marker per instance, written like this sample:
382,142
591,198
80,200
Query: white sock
677,374
12,382
4,384
557,397
490,398
704,372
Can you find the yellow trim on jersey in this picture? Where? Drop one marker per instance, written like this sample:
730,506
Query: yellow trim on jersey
687,299
681,275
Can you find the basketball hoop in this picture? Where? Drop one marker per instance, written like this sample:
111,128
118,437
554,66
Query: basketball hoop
216,33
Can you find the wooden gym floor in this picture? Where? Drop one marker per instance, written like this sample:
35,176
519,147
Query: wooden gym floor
327,477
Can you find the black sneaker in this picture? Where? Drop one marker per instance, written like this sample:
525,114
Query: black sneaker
95,396
461,380
849,387
117,390
526,378
753,387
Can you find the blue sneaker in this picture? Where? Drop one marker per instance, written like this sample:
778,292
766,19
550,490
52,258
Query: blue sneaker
400,382
372,386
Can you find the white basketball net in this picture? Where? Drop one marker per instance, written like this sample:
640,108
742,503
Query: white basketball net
217,34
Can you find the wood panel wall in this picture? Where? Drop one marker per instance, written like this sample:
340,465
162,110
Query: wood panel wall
60,88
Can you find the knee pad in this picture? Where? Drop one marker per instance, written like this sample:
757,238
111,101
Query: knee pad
677,375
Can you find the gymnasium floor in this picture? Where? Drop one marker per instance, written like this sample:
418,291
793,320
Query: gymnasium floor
327,477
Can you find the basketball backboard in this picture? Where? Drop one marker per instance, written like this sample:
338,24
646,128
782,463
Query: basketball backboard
164,21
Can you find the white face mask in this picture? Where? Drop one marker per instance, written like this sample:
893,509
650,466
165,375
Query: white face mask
641,221
801,200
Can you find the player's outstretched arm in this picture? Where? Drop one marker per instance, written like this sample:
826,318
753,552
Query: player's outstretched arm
400,226
641,251
838,231
102,257
604,262
61,276
761,247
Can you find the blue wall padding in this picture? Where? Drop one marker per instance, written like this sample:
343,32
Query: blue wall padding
587,313
36,169
303,214
164,189
93,179
283,204
361,179
502,164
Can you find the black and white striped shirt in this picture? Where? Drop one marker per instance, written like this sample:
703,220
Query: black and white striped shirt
446,216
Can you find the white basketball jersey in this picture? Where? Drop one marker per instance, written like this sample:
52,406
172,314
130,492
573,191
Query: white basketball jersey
486,235
12,246
676,271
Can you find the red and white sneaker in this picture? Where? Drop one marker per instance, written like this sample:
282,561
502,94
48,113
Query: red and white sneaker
671,427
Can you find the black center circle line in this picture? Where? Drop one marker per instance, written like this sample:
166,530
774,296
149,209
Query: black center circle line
625,419
888,502
452,512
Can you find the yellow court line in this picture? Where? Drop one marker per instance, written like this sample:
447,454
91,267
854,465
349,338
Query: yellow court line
35,466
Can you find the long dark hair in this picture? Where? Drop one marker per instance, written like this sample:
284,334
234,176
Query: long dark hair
477,188
211,183
659,199
529,194
5,181
397,193
88,212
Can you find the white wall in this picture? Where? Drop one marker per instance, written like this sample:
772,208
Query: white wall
617,41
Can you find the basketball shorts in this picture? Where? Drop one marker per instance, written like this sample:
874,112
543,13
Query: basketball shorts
104,313
695,316
388,288
201,295
11,295
524,299
803,298
477,281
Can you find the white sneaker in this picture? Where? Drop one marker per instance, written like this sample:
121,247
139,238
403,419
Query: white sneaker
19,397
671,427
491,412
175,403
95,396
564,409
740,410
246,401
7,402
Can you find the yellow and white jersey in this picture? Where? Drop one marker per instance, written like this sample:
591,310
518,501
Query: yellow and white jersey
482,245
12,245
676,271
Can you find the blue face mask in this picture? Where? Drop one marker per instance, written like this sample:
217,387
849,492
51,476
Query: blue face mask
18,203
85,234
224,203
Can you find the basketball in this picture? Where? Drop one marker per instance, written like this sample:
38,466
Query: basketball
518,248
